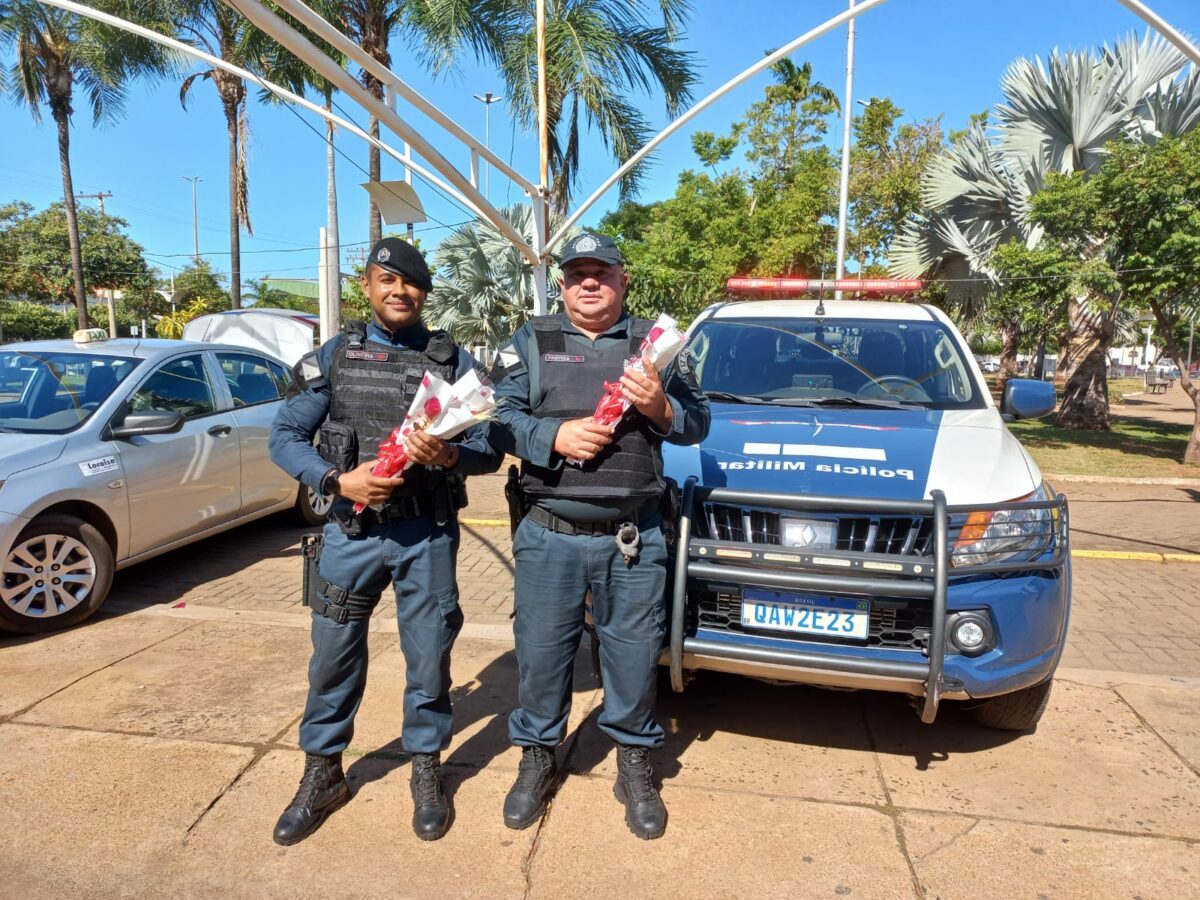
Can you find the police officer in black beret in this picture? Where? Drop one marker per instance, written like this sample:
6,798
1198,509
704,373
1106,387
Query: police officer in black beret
594,525
354,390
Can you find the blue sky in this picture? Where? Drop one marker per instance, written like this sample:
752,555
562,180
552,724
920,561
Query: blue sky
932,57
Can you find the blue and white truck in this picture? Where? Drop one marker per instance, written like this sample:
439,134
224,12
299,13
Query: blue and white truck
860,516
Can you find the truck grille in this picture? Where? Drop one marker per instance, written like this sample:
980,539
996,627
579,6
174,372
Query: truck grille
904,535
895,624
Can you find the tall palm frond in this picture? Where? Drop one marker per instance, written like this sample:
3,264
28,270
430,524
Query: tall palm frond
485,286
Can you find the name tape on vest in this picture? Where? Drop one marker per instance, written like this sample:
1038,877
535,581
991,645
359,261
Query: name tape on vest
370,355
561,357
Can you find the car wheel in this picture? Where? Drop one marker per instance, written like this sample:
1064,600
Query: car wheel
1019,711
312,507
56,574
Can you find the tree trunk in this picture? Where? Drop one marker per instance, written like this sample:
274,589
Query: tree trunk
1010,341
1062,366
373,169
331,211
235,235
64,158
1039,367
1085,397
1191,456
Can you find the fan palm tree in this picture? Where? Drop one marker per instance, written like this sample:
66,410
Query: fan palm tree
1057,116
57,52
599,55
218,29
485,287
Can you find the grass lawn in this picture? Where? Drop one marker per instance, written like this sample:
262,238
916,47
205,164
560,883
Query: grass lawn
1134,448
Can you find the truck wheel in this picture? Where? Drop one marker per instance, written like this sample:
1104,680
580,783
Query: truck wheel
312,507
1018,711
56,574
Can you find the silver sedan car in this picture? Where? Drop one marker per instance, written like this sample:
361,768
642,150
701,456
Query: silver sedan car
113,451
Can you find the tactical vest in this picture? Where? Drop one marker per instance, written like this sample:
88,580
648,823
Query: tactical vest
372,386
568,386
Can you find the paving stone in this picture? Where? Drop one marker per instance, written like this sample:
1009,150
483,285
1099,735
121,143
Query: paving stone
717,844
956,856
741,735
237,683
1090,764
1173,713
93,815
34,667
366,849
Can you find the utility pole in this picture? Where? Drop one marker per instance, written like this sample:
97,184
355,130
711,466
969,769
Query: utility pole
99,197
487,99
195,228
844,183
541,205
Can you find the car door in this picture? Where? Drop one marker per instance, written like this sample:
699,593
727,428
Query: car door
256,395
184,483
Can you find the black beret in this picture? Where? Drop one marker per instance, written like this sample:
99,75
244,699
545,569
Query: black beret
399,256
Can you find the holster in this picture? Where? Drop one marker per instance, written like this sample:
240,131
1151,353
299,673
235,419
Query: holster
310,555
518,500
338,445
670,509
326,599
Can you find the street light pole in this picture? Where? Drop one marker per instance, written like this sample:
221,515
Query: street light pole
195,227
844,183
487,99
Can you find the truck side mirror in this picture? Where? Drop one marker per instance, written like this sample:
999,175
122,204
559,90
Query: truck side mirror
1026,398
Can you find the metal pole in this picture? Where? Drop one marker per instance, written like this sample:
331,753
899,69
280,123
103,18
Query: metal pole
487,99
195,226
648,148
1191,336
1159,24
541,203
844,182
323,295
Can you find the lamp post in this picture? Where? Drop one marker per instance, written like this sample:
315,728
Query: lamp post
844,182
195,227
487,99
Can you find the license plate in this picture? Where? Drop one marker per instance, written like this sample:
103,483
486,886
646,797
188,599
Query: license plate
805,614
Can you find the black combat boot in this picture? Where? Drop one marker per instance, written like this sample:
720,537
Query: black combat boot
323,789
431,809
644,811
536,779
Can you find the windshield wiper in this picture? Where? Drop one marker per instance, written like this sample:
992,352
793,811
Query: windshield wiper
876,403
727,397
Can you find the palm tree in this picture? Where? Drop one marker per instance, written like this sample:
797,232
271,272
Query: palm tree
1057,116
794,110
484,291
600,55
218,29
56,52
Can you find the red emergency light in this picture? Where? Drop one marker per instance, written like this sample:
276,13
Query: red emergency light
741,285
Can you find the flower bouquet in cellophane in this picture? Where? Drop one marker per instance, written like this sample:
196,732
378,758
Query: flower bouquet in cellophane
439,408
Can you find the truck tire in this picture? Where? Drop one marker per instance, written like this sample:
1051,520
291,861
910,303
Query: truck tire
1018,711
57,573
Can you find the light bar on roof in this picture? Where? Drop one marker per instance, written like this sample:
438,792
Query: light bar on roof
740,285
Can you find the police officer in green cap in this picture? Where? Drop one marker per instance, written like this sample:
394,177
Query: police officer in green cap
594,525
354,390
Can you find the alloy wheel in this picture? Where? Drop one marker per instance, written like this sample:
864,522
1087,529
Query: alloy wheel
47,575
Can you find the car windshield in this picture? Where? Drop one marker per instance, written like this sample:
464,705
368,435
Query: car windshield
53,393
859,362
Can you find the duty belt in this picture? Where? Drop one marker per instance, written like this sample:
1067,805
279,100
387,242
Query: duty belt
408,507
566,526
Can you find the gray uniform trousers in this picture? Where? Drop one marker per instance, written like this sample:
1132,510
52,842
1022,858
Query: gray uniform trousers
553,575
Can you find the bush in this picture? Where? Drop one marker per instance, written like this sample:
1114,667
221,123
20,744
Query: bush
24,321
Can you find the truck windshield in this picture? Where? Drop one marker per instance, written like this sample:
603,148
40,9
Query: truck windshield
52,393
827,360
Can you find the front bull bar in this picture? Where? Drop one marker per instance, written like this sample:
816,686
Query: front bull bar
910,577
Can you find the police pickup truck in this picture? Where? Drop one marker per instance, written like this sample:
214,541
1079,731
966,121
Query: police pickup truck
859,515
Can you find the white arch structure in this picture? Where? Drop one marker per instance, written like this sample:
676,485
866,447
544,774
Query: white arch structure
464,188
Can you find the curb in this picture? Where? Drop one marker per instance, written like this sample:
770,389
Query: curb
1137,556
484,523
1116,479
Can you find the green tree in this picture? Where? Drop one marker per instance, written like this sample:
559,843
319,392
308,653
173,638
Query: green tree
792,116
1138,219
26,321
1057,117
57,52
484,291
886,166
198,281
600,54
1031,298
39,244
218,29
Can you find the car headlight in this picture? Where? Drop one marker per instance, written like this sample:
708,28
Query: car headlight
1004,535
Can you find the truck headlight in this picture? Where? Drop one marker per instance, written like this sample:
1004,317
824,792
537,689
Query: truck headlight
1002,536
